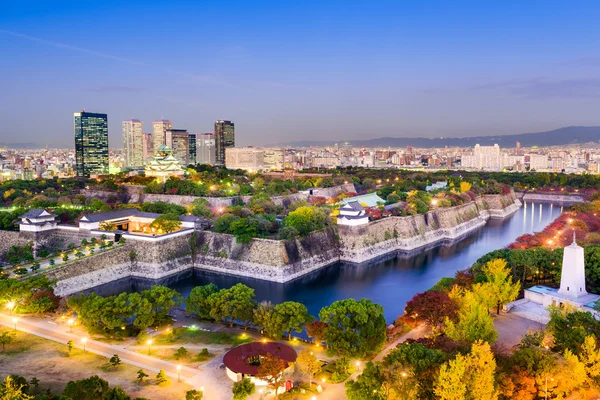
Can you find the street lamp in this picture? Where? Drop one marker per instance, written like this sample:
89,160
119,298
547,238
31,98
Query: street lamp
179,373
83,342
202,388
546,391
149,342
10,305
70,322
15,320
358,365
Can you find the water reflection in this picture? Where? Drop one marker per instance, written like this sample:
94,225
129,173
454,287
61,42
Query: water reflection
390,281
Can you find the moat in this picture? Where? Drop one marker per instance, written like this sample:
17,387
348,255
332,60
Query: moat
390,282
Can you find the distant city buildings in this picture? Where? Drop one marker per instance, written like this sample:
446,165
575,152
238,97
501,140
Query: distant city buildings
224,138
133,143
179,141
254,158
91,143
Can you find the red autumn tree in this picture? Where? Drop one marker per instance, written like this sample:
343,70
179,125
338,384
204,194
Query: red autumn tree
431,307
316,331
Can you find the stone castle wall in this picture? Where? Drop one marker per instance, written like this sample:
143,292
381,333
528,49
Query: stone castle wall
276,260
136,194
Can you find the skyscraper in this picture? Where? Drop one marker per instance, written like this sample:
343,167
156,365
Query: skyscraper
192,157
205,148
91,143
179,141
133,143
224,137
148,147
159,130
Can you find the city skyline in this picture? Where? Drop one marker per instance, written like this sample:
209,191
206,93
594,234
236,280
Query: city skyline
285,71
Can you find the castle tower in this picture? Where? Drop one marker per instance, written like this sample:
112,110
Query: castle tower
572,279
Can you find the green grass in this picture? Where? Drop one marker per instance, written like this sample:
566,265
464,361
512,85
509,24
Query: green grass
334,374
195,336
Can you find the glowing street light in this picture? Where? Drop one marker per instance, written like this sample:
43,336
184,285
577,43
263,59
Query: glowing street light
11,305
14,321
202,388
179,373
83,342
70,322
434,202
149,343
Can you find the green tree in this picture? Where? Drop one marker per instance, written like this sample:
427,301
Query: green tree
181,353
244,230
115,361
35,382
369,385
92,388
116,393
201,208
223,223
308,364
6,337
141,375
198,303
306,219
290,316
262,315
410,370
163,300
354,328
162,377
235,303
70,346
499,287
166,223
242,389
193,394
570,328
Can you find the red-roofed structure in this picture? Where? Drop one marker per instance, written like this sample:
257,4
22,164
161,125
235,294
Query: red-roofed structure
243,361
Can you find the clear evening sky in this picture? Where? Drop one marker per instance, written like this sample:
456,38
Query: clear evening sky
299,70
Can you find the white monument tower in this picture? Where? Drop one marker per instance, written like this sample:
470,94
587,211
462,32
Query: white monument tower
572,279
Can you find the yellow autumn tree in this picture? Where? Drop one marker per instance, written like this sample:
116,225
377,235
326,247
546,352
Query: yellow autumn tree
590,357
499,287
474,321
465,186
450,384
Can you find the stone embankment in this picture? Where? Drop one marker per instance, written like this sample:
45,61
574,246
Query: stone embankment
564,199
136,194
276,260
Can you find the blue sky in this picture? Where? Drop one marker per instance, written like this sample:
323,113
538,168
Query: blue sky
300,70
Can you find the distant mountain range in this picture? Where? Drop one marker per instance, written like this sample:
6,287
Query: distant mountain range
20,145
562,136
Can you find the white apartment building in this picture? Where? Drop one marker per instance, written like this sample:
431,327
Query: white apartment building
248,158
205,148
538,162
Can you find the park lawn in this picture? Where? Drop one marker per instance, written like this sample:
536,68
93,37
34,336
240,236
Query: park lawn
31,356
196,336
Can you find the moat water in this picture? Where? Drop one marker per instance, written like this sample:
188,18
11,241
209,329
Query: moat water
390,282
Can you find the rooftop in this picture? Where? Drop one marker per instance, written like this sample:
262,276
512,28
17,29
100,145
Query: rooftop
369,200
237,359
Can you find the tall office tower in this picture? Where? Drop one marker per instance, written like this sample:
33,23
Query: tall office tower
147,146
518,148
179,141
133,143
205,148
192,157
224,137
91,143
159,131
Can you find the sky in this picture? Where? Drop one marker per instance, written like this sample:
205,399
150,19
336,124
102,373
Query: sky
299,70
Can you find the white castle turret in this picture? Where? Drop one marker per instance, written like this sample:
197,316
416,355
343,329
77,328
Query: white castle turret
572,279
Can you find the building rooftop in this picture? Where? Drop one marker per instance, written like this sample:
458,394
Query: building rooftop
37,213
369,200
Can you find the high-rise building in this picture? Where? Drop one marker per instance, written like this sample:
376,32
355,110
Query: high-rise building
179,141
192,156
159,131
133,143
148,147
91,143
224,138
205,148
